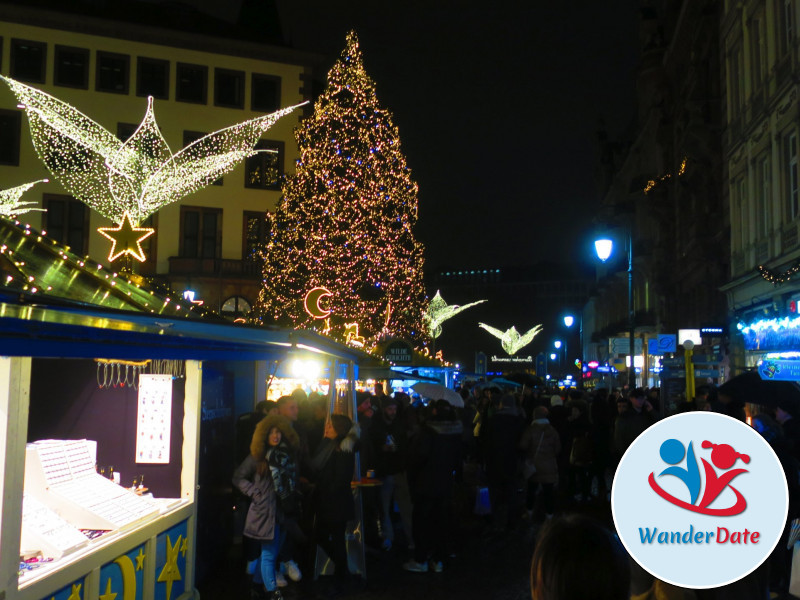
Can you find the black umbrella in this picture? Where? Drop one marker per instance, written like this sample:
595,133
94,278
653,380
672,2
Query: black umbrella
524,379
749,387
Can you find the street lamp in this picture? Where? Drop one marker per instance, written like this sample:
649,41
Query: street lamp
603,247
569,321
557,345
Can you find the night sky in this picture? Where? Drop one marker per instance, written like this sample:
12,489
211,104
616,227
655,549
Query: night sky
498,105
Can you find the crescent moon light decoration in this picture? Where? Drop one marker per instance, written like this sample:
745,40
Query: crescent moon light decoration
312,300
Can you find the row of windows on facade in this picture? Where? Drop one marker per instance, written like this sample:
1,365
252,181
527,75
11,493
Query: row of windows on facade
67,220
763,44
263,170
761,223
71,69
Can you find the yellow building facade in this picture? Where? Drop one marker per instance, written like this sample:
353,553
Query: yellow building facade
106,69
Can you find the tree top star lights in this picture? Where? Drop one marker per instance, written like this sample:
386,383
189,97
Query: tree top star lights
346,220
510,339
140,175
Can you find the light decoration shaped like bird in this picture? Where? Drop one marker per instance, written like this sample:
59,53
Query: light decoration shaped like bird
510,339
138,176
10,204
439,311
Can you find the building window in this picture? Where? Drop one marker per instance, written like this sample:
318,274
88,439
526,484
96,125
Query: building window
254,235
191,136
201,232
28,60
112,73
228,88
264,170
757,52
743,216
763,200
784,11
71,67
790,177
266,93
152,77
67,221
10,124
235,307
735,87
125,131
191,83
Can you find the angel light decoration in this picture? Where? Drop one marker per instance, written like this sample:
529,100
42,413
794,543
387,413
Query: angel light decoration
439,311
136,177
510,339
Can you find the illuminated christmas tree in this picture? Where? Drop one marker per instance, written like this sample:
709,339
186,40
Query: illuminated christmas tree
346,220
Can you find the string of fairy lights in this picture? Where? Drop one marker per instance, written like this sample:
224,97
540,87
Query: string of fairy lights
10,203
346,218
439,311
777,277
138,176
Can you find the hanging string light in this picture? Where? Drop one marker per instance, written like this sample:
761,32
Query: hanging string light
778,277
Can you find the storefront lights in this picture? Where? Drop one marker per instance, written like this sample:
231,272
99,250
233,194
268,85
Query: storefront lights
306,369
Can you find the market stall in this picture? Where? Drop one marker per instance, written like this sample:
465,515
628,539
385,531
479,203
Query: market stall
100,415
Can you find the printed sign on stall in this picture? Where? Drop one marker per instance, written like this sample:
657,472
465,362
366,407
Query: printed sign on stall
154,419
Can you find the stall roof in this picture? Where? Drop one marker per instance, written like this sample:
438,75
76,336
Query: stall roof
30,326
31,262
378,372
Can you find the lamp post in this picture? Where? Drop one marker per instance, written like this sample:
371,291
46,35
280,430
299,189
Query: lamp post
553,359
569,321
603,247
557,346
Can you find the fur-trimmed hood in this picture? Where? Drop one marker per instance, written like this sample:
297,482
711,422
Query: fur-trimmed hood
260,443
349,442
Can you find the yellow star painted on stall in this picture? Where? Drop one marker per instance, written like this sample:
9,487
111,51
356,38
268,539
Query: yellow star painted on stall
76,592
126,239
171,572
140,560
109,595
184,547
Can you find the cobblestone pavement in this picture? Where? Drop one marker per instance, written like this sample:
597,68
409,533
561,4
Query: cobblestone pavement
487,564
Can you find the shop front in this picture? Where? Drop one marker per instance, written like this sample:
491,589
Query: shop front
100,425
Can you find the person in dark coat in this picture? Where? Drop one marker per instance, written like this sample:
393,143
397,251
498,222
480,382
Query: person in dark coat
334,468
502,434
541,446
262,478
434,455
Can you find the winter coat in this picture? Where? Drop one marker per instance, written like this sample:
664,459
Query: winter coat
388,462
502,434
334,469
254,479
434,455
262,514
541,445
629,426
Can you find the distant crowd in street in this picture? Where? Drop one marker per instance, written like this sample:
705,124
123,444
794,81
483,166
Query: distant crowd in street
534,458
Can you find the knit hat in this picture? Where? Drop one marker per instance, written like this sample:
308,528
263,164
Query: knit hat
555,400
540,412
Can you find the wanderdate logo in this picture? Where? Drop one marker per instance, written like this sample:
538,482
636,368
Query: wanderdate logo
699,500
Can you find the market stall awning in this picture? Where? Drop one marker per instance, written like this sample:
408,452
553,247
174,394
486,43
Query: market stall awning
29,326
383,373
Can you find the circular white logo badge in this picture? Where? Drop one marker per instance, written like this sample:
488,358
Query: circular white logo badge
700,500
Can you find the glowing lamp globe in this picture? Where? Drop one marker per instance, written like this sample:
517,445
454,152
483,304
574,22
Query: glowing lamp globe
603,248
557,344
553,356
569,320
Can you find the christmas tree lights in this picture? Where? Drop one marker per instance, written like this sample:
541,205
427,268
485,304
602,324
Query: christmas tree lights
439,311
346,220
140,175
510,339
10,204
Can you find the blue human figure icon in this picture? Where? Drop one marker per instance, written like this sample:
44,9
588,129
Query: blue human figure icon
672,452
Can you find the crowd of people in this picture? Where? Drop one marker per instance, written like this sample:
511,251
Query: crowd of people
538,458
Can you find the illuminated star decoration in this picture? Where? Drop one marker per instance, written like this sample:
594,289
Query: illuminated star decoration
171,572
439,311
510,339
140,175
109,595
10,204
126,239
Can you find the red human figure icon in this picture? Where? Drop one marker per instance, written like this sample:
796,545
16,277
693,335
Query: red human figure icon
724,457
